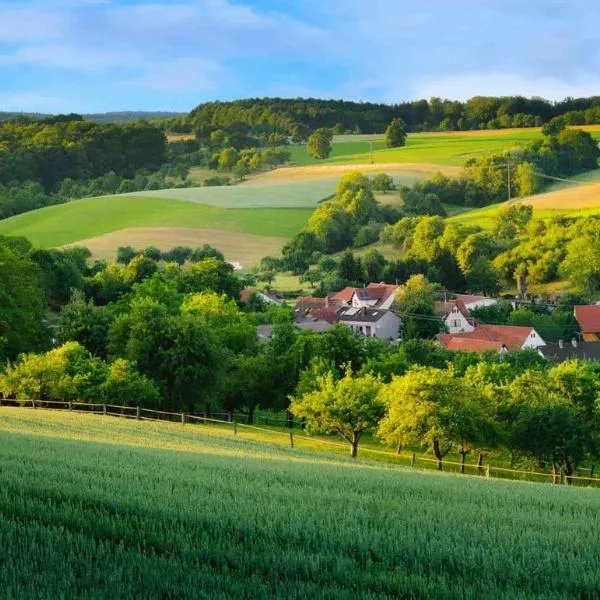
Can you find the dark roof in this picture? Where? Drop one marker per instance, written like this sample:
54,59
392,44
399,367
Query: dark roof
583,351
362,315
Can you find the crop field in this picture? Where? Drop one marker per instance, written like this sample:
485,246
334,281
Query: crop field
244,248
101,508
92,217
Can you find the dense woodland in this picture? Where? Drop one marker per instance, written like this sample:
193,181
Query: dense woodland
297,117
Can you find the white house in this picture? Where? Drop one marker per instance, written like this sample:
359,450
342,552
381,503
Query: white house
455,316
471,302
371,322
375,295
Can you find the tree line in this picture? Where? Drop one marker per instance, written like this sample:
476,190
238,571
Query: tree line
301,116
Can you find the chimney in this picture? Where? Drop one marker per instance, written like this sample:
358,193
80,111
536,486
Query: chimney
561,344
574,342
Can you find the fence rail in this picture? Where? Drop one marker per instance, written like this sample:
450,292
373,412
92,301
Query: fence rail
399,458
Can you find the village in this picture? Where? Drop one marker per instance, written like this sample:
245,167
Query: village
369,312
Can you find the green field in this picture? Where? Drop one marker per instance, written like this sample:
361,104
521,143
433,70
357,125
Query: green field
282,194
82,219
95,507
443,148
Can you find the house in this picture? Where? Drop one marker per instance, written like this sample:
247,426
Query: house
309,307
371,322
375,295
455,316
588,318
573,350
247,293
493,337
456,313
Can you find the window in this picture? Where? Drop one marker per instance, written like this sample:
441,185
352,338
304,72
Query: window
368,331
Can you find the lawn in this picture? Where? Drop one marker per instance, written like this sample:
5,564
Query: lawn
102,508
91,217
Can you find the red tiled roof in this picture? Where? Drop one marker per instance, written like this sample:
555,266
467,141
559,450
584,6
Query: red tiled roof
511,336
246,294
464,344
588,317
329,313
382,291
344,295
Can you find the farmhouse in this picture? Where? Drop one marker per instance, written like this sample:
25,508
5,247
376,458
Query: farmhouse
588,317
493,337
371,322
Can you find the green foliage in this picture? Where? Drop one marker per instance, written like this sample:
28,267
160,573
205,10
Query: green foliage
349,406
395,134
22,303
319,143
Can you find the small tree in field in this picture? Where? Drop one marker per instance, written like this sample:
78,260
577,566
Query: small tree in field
348,407
319,143
395,134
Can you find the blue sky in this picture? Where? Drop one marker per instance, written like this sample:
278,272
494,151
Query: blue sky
100,55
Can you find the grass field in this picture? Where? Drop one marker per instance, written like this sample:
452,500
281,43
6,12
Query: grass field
102,508
92,217
442,148
279,194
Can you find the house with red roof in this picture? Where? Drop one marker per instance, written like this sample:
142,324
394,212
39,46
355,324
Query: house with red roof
456,313
493,337
588,318
375,295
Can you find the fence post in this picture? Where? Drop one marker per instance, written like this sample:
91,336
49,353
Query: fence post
413,459
33,403
183,418
104,409
137,412
235,428
487,471
70,405
291,438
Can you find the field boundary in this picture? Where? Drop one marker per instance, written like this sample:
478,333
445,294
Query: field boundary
404,459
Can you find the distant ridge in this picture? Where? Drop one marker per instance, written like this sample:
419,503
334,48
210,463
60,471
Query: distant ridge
108,117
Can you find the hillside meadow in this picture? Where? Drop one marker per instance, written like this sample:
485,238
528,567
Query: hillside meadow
93,217
93,504
439,148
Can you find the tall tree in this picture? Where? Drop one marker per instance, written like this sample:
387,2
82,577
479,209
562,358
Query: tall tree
395,134
319,143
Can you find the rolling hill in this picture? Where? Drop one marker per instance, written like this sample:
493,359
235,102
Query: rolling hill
91,504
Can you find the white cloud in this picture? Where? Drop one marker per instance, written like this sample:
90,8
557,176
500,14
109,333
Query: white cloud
35,102
467,85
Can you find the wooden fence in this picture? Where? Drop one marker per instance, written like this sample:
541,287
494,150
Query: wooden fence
232,424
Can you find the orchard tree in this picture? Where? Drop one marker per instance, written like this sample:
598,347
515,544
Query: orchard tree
348,407
395,134
429,406
319,143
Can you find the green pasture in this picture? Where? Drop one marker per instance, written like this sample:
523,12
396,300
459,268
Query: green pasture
281,194
443,148
101,508
82,219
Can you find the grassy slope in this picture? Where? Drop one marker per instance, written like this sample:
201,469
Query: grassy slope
280,194
93,505
67,223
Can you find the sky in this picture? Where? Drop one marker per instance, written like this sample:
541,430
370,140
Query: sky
104,55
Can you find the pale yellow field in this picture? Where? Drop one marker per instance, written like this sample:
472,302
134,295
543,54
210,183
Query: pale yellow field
327,171
180,137
578,196
247,249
